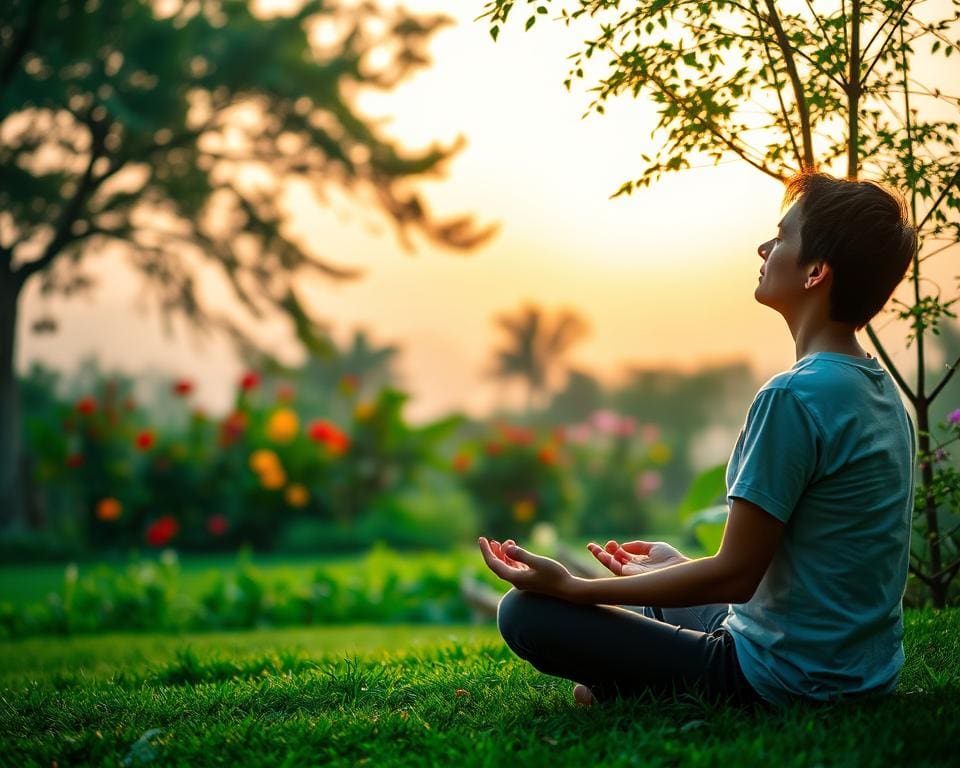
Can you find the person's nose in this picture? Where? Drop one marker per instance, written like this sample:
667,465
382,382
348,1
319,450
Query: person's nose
764,249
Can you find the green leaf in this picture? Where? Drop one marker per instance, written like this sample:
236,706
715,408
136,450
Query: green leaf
706,489
530,22
494,31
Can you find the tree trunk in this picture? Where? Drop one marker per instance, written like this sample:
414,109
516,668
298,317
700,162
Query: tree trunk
11,499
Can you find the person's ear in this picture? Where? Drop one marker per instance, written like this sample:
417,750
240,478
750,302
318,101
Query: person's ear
818,273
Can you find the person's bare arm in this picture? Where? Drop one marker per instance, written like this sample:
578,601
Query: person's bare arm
750,539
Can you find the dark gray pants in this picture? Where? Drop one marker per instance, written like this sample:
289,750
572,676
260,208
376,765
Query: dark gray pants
618,651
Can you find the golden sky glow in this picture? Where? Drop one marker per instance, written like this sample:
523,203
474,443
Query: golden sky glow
667,275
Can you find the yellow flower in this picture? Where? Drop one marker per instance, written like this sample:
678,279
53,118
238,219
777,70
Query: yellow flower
263,461
283,426
273,479
660,453
364,411
524,511
109,509
297,495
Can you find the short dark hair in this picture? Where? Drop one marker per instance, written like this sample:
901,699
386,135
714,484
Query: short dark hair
862,230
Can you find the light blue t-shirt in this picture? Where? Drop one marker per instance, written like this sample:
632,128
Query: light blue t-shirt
829,449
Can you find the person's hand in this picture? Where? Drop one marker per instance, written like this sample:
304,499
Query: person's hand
526,570
635,557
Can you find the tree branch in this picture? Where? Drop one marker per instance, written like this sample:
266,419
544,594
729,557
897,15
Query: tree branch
890,34
943,194
802,107
67,219
776,81
711,126
922,576
943,383
21,44
890,366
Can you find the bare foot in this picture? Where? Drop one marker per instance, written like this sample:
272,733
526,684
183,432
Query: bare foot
583,695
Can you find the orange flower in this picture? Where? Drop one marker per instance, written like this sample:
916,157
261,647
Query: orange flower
548,456
364,411
297,495
283,426
264,461
273,479
108,509
462,462
524,510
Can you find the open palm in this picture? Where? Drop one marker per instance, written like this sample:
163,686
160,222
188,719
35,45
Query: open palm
635,557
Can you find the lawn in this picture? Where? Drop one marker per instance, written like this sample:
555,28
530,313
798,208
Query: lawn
417,696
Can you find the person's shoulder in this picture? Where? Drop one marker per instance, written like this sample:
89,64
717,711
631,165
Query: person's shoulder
811,379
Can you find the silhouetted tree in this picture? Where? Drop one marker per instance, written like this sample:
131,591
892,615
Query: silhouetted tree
172,130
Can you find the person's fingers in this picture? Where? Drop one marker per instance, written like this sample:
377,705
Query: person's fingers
509,560
522,556
611,546
607,560
638,547
494,563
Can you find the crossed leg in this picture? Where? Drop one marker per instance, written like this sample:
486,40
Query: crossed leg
616,651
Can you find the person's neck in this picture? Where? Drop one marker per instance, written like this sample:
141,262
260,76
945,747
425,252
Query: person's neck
828,336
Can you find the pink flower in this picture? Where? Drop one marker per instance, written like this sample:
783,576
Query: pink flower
606,421
649,433
578,433
648,482
953,418
626,427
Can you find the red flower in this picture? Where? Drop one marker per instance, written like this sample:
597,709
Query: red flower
461,462
249,380
129,404
232,427
75,460
286,393
162,530
493,448
326,432
182,387
217,525
86,405
145,440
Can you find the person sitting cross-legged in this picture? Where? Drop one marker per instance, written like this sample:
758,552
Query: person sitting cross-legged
803,600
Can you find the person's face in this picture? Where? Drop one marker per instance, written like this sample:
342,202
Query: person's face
782,284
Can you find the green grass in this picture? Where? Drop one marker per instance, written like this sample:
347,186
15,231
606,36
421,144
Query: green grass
349,697
29,584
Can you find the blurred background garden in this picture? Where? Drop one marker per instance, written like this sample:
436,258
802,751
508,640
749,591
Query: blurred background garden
349,304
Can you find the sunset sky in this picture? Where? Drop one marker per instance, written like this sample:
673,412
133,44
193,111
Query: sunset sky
664,276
